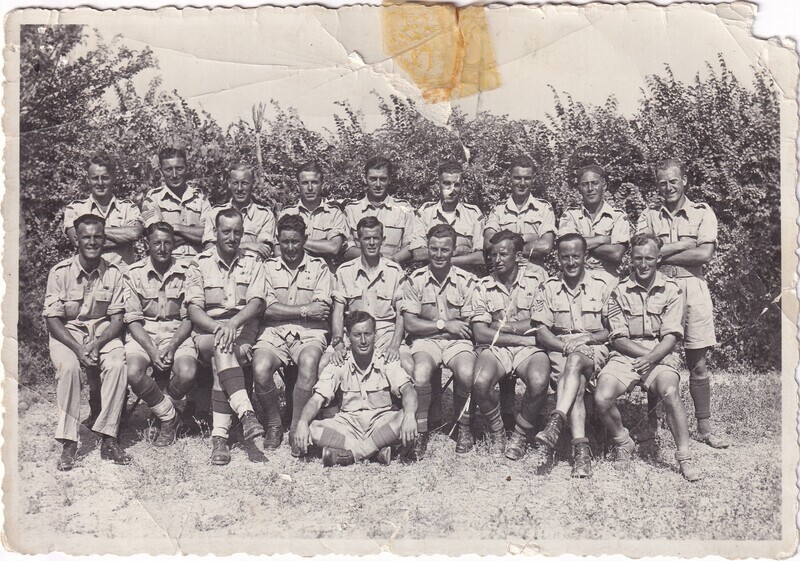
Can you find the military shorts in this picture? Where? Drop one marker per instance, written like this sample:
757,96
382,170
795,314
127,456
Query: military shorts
510,358
620,367
245,335
442,351
698,319
287,342
558,361
161,332
357,427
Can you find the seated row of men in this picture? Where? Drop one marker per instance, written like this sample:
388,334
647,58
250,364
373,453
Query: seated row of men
229,309
687,230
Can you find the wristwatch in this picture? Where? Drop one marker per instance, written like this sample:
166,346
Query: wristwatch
303,312
440,324
335,341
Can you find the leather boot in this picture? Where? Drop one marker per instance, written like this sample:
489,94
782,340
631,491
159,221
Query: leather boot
251,428
110,450
517,446
582,460
421,445
549,436
169,432
220,451
465,441
273,438
497,443
337,457
69,452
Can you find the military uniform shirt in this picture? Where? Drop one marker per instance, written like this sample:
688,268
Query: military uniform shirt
536,217
377,293
637,312
466,220
121,213
222,290
398,219
259,224
608,222
311,281
191,209
493,302
152,297
563,311
425,297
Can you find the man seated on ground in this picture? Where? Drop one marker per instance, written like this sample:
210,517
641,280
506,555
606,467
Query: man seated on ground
437,307
501,325
83,310
224,298
645,316
372,284
367,426
159,330
259,222
568,312
295,326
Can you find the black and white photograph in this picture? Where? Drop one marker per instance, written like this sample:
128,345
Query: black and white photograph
411,278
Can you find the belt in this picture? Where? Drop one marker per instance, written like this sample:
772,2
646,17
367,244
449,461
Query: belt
645,338
676,271
560,331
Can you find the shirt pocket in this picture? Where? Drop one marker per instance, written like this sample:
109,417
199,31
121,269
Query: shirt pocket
190,215
562,316
655,309
243,277
102,299
428,304
174,296
214,293
72,299
305,289
592,315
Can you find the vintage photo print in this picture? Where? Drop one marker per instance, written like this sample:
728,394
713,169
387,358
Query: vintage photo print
410,278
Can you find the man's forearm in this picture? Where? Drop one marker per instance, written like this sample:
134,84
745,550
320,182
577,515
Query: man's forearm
325,247
311,409
136,329
181,334
593,242
201,320
113,331
124,234
401,256
192,234
699,255
468,259
399,331
250,312
58,331
485,335
548,340
409,398
628,347
418,326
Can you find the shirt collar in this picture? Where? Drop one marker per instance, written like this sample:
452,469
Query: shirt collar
388,202
659,281
562,285
375,365
94,204
301,267
429,278
530,203
362,269
246,211
221,262
683,208
78,271
188,193
322,207
605,208
174,267
441,213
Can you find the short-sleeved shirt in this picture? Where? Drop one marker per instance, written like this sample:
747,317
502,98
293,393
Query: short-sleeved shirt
121,213
492,301
376,292
467,220
565,311
452,299
535,217
608,222
84,298
398,219
370,390
151,296
692,220
650,313
310,282
324,223
259,224
223,290
190,209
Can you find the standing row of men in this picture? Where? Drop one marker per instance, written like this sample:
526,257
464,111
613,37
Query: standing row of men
440,307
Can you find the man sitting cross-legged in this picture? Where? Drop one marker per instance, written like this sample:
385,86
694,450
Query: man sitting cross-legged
366,425
569,313
645,316
501,320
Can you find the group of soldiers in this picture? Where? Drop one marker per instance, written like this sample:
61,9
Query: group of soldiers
321,295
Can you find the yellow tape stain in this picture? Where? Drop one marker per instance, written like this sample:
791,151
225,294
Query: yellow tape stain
447,51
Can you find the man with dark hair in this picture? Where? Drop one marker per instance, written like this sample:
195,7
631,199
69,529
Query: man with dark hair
177,203
83,309
294,326
259,222
466,219
326,224
688,231
367,426
501,326
159,330
645,316
606,230
523,214
123,222
437,307
372,284
224,297
398,218
569,313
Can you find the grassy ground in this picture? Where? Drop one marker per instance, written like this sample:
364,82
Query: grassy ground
174,499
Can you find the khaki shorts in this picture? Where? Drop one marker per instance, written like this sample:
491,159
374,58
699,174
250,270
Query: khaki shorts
287,342
620,367
698,319
510,358
558,361
161,333
245,335
442,351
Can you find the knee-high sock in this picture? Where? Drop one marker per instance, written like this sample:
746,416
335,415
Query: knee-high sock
222,413
300,397
423,405
331,438
460,397
270,404
700,389
494,420
146,388
231,380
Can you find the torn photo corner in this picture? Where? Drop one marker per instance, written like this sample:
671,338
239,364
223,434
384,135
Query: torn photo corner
152,116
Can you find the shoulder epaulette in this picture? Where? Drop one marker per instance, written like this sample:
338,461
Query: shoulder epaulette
654,206
417,272
205,253
390,264
221,205
63,263
702,205
139,264
472,207
427,204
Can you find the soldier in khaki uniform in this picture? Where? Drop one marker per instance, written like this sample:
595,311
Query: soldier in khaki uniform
326,224
569,313
501,325
605,229
295,325
688,231
466,220
224,298
259,222
159,331
83,309
372,284
177,203
645,316
437,308
367,426
397,217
